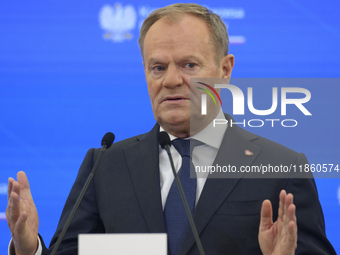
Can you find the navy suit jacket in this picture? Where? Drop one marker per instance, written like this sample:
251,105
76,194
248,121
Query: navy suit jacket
125,197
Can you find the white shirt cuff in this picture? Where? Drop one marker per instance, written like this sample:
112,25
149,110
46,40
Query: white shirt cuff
11,250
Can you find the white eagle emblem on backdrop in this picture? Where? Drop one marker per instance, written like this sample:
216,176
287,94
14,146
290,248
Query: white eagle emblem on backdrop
118,21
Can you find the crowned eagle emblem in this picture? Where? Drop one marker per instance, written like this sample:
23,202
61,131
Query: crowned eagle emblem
118,22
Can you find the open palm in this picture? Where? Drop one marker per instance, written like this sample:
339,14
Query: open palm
280,237
22,215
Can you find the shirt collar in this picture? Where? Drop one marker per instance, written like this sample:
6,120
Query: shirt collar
210,135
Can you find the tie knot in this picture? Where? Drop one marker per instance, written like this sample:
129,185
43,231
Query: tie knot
185,146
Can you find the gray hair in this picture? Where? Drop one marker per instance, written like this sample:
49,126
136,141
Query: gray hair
217,28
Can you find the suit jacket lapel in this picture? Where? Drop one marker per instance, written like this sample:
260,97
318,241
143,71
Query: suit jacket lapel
217,190
143,161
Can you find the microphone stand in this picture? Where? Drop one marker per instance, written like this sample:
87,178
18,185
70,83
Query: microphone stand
81,195
191,220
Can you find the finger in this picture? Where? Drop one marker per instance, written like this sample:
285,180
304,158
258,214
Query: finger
24,185
289,199
292,226
14,209
288,203
282,204
266,220
291,217
16,187
10,183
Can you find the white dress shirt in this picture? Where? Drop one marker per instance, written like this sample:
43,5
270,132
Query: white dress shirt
203,155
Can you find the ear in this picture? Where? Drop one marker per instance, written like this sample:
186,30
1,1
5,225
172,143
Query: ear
226,65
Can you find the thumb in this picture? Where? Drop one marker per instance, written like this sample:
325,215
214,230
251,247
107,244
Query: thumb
266,220
20,225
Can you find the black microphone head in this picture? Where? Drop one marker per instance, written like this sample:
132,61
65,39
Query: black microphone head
164,139
108,139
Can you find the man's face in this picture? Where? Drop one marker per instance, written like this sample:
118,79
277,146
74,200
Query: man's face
173,53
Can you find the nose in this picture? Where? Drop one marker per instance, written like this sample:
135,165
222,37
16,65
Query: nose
173,77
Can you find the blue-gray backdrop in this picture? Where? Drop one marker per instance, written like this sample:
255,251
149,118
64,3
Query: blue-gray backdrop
71,70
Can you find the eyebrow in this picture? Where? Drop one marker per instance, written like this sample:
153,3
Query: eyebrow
185,58
153,61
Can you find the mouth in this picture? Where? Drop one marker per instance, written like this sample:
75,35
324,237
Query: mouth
174,99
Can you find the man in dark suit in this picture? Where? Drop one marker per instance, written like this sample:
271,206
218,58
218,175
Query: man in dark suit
130,190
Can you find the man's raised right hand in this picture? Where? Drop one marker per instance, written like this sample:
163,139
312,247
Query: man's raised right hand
22,216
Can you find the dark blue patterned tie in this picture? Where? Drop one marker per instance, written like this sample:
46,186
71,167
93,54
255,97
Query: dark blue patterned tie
176,220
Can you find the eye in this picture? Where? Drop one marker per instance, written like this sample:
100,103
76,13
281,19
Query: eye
191,65
157,68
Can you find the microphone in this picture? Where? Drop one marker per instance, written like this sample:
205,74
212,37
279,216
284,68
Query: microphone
164,139
106,143
108,140
165,143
